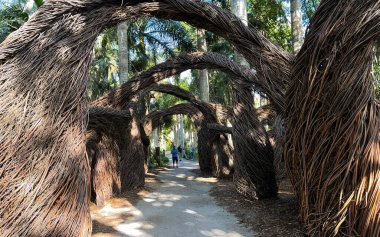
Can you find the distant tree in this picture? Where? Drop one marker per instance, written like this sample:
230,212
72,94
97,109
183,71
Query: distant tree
297,32
204,86
308,9
122,35
149,40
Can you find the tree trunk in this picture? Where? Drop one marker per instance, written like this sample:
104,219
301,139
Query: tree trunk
155,138
122,36
181,131
296,22
239,8
204,87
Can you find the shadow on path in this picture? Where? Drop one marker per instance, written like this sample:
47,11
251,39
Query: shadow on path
179,206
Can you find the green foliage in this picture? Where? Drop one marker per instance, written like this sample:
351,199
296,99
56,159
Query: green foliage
308,9
149,41
164,159
153,162
164,101
153,40
218,44
226,4
104,68
13,15
187,151
377,87
11,18
38,2
188,123
220,88
269,17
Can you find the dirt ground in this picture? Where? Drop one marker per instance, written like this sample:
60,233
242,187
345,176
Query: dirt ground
268,218
102,223
177,204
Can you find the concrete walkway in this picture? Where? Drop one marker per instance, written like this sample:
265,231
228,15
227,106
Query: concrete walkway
181,207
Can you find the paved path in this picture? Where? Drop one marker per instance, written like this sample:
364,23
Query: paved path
181,207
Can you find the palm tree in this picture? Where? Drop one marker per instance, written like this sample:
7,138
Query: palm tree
239,8
122,35
148,41
204,87
296,16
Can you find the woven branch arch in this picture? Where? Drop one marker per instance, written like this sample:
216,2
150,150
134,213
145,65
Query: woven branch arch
43,111
219,128
47,63
332,119
197,60
271,62
152,120
210,111
255,151
261,172
215,154
217,162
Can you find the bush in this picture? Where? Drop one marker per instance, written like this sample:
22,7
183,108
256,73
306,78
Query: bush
187,151
153,163
164,160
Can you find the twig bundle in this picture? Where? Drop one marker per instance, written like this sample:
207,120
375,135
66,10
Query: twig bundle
333,122
254,175
106,140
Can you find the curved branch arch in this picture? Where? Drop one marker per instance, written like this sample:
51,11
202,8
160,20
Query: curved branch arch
215,154
255,150
183,62
272,62
211,113
44,78
219,159
253,182
152,120
211,160
219,112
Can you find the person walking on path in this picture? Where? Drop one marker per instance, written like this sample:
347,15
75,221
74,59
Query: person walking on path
180,152
174,152
191,152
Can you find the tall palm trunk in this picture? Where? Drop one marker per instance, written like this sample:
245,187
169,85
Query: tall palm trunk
296,21
239,8
122,36
203,74
182,131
